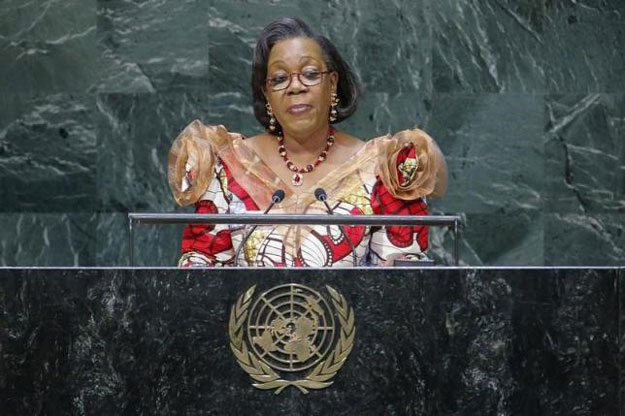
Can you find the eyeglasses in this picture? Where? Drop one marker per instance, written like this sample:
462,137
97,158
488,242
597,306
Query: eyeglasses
309,78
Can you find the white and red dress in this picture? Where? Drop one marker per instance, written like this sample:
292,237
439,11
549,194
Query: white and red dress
216,170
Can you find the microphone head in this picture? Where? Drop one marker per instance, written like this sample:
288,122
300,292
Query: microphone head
277,196
320,194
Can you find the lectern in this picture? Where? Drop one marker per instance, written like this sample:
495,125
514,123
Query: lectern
435,341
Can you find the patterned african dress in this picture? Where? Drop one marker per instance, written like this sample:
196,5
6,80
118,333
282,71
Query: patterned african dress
219,173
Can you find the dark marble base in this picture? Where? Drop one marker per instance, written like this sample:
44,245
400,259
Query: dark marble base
428,342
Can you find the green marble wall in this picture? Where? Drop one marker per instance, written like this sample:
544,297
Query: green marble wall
525,97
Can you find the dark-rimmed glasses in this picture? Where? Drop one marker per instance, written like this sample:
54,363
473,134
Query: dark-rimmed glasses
308,78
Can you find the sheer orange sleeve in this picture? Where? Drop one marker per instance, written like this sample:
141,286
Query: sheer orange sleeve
192,160
412,166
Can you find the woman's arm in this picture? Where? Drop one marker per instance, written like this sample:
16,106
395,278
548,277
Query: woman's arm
411,167
392,242
196,176
206,245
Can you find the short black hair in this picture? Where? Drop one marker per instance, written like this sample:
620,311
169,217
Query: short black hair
348,90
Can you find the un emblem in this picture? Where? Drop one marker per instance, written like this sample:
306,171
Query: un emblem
289,330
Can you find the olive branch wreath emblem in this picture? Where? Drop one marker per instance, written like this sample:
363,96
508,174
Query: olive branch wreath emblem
266,378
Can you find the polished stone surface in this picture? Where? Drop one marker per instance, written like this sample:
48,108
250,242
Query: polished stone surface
154,245
447,342
512,238
153,46
584,153
47,153
48,46
576,239
135,132
494,151
526,99
528,46
47,238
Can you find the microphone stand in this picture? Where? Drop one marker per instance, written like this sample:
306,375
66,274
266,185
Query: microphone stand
321,195
276,198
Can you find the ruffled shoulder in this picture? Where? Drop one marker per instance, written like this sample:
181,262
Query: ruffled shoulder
411,165
192,159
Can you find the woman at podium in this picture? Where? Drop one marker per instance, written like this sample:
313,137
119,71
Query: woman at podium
302,87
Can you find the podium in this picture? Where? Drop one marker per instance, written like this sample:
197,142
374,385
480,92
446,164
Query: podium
435,341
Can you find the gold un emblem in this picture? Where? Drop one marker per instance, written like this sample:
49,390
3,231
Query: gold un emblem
288,332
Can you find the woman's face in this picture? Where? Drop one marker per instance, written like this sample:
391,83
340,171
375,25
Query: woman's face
300,109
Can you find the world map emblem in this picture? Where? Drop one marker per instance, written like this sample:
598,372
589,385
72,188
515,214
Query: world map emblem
291,335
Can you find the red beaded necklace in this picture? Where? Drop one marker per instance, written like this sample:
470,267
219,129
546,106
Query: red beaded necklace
298,179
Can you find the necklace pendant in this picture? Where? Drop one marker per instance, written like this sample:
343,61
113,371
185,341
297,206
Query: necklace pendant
297,179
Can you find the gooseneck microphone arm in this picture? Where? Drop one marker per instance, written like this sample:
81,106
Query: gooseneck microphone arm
276,198
321,195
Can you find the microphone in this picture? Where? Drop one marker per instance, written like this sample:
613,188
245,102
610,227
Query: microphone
321,196
276,198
